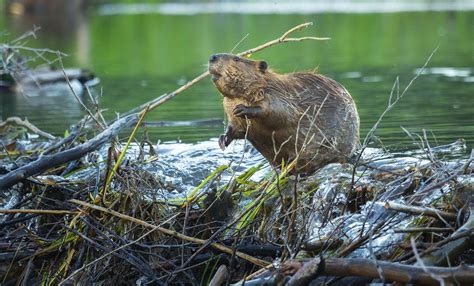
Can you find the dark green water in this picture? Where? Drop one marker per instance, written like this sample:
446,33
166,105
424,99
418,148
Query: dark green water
139,57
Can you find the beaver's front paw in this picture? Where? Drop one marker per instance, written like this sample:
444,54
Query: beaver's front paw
243,111
240,110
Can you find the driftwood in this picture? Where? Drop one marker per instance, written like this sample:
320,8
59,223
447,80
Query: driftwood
46,162
393,272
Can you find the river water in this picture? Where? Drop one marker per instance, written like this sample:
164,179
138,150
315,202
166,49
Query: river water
140,52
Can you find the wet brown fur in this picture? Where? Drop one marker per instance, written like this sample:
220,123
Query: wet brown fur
300,115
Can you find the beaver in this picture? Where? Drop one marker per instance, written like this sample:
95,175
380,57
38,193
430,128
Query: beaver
302,116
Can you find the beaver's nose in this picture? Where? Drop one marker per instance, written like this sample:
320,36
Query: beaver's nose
213,58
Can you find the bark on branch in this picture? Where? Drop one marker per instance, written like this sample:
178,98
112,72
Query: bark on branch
392,272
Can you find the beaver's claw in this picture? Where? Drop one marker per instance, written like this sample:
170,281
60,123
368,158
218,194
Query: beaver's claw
224,141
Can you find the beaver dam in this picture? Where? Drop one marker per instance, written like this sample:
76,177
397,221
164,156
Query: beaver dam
104,205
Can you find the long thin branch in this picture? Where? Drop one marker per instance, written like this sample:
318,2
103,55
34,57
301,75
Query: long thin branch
32,211
282,39
173,233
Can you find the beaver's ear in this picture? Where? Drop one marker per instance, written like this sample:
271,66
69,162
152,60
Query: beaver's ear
262,66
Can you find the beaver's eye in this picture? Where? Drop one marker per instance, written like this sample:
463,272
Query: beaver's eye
236,59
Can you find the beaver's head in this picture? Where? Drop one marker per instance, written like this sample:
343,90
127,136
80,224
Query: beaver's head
236,76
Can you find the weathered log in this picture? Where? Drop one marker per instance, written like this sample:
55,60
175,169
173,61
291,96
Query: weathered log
392,272
46,162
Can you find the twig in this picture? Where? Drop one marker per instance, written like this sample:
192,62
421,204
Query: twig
32,211
431,212
122,155
422,229
391,103
102,126
173,233
27,124
451,247
361,240
423,266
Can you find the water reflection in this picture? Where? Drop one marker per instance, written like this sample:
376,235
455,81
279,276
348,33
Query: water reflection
63,23
48,112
